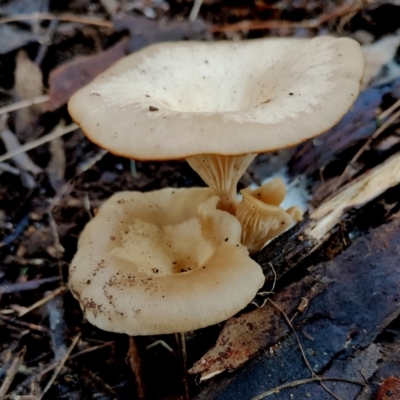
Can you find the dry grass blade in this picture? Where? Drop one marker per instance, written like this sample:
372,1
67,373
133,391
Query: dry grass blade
60,365
314,375
60,17
302,382
11,372
24,103
22,161
195,10
94,348
44,300
58,132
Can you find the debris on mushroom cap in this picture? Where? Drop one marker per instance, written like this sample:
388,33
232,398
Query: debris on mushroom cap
261,217
227,98
162,262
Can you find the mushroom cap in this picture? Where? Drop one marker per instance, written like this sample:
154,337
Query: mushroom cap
162,262
174,100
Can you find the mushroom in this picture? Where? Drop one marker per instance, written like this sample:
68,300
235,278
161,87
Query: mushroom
162,262
261,217
219,104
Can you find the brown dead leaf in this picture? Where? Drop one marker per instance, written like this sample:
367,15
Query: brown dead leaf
66,79
242,337
144,31
57,164
28,84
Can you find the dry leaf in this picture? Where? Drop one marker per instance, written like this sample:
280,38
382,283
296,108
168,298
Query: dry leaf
28,84
66,79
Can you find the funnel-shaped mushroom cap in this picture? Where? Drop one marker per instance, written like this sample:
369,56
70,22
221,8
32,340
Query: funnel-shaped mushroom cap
174,100
162,262
261,217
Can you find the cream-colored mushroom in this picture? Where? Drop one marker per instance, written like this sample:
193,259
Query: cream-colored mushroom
218,104
162,262
261,217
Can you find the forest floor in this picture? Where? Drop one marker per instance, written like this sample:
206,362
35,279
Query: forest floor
339,292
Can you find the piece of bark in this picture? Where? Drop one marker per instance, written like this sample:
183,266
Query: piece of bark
362,298
389,366
66,79
242,337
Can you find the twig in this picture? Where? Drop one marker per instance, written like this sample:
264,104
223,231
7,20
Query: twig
42,301
58,132
389,110
22,324
11,372
60,17
161,343
18,231
273,284
181,342
195,10
302,382
311,24
385,125
60,365
24,103
90,349
136,365
46,41
314,375
28,285
4,167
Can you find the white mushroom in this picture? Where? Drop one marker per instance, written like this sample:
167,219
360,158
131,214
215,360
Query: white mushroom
162,262
218,104
261,217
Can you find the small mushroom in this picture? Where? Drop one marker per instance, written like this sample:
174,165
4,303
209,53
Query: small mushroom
219,104
162,262
261,217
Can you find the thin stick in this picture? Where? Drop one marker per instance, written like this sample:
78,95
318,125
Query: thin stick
61,17
44,98
58,132
311,24
195,10
60,365
136,364
42,301
22,324
181,341
90,349
314,375
11,372
388,111
302,382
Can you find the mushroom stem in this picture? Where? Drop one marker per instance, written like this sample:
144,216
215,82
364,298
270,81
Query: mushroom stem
222,174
